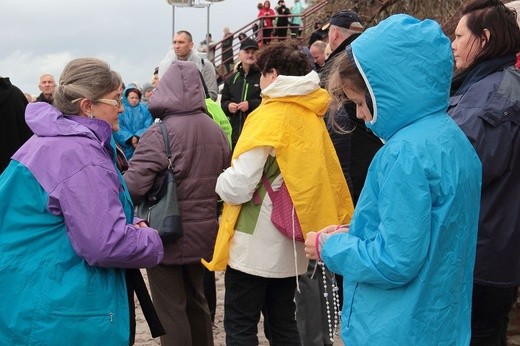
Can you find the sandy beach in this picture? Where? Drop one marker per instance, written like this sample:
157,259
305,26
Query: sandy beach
143,337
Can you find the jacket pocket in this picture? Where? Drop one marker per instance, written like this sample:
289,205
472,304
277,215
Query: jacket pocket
85,315
95,327
348,313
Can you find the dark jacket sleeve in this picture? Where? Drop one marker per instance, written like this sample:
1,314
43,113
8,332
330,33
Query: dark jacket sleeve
492,143
355,149
148,161
225,99
484,114
254,102
254,94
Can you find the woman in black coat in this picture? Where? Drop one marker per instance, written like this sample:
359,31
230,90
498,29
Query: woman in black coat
12,110
484,103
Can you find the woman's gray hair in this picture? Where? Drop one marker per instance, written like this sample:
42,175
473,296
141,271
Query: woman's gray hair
89,78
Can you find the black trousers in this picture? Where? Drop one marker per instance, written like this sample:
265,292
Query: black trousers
210,291
266,35
247,296
490,314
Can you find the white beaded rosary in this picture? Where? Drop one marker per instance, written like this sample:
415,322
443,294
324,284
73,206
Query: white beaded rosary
333,327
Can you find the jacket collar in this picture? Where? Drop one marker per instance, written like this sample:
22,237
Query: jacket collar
342,47
462,82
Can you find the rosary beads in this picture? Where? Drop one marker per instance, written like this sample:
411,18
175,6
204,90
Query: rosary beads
332,322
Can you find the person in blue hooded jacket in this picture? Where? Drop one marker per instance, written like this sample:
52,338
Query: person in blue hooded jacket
133,122
67,227
407,257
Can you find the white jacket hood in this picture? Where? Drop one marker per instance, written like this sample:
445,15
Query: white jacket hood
293,85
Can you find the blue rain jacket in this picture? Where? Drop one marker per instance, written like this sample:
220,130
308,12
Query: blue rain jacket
66,230
134,121
408,258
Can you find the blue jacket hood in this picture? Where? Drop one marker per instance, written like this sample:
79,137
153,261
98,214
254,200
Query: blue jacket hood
133,121
396,81
135,115
125,101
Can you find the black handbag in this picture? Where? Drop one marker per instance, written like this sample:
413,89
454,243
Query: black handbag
160,206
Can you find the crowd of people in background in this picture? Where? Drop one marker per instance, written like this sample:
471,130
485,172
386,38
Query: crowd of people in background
395,152
277,23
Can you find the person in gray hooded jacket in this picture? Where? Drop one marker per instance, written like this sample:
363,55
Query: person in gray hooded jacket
200,152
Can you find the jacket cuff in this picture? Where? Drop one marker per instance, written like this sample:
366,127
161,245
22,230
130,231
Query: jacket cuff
138,219
321,238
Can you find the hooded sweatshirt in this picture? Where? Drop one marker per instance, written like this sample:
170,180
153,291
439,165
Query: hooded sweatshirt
407,260
134,121
64,236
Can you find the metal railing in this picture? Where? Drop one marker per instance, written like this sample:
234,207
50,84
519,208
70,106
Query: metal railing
254,31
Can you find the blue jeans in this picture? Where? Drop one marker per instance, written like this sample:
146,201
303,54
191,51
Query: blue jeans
248,295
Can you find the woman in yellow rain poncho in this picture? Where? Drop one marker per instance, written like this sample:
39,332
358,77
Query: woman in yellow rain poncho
286,140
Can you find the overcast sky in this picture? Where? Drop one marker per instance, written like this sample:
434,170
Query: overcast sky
131,35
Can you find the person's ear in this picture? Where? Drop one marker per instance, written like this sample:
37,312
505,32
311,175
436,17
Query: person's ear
85,107
271,75
486,35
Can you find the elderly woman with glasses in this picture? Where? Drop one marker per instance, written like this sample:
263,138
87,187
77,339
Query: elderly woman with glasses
67,228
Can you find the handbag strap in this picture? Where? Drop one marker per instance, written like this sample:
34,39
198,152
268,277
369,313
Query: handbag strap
269,189
268,186
166,139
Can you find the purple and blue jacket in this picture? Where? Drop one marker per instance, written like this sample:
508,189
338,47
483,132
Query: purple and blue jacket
65,236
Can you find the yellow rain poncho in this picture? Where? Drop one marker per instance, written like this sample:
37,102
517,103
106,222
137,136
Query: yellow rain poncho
294,126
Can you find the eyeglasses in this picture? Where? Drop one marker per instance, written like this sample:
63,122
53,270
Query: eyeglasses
116,103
